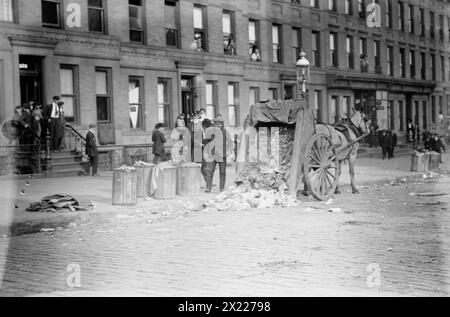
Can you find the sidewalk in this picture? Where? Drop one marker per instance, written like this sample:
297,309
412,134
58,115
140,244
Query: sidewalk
15,220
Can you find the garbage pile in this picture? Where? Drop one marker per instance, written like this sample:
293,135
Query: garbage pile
58,203
258,186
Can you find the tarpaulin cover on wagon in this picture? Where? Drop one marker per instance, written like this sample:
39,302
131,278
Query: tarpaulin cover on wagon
281,111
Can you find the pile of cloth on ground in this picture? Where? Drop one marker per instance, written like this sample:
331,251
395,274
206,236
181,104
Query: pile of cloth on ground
258,186
58,203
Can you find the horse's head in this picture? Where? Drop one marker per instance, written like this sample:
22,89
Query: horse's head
360,120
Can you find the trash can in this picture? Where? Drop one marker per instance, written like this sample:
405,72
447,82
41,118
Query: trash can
419,162
144,173
124,192
189,179
165,177
434,160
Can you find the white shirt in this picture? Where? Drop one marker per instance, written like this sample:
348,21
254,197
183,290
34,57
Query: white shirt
55,111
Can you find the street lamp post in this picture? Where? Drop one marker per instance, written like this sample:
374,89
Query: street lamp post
302,68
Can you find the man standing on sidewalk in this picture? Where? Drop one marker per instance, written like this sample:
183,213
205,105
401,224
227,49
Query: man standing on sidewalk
52,115
92,151
221,149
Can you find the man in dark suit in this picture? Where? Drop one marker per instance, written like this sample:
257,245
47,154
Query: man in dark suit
92,151
158,139
52,114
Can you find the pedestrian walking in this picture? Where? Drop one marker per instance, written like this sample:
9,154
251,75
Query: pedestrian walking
92,151
409,131
393,137
386,142
373,137
220,154
436,145
158,139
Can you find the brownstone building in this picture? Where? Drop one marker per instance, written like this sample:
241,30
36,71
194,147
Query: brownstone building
128,64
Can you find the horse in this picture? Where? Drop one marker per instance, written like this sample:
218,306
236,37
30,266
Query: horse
342,135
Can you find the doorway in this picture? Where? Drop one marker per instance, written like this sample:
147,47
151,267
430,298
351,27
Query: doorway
187,96
31,79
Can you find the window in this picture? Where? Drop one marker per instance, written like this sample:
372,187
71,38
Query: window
200,34
211,99
412,63
411,19
361,9
314,4
402,62
422,22
442,68
68,75
232,104
433,109
171,14
333,49
391,117
449,70
433,66
254,95
289,92
416,112
346,107
390,60
349,52
296,43
401,16
164,101
441,107
273,94
376,54
276,44
315,46
332,5
363,55
432,25
425,115
423,69
349,7
103,92
136,102
253,40
96,13
318,104
401,115
333,117
135,9
389,13
229,43
7,10
51,13
448,24
441,28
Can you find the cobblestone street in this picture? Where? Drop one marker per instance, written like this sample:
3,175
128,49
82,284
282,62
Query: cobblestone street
298,251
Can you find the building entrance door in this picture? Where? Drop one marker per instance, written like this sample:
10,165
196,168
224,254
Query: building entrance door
30,79
187,96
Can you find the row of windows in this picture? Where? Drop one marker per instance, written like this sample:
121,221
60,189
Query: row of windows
97,23
70,94
407,17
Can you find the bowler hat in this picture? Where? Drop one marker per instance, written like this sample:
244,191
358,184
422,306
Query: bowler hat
57,98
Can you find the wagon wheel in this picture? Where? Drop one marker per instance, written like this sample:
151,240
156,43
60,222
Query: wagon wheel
321,167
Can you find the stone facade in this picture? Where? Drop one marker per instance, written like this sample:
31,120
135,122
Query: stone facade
391,100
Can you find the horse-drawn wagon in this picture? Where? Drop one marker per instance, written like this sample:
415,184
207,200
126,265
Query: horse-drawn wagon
318,149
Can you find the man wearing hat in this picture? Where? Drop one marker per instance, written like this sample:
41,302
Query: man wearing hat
52,114
92,151
220,156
